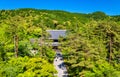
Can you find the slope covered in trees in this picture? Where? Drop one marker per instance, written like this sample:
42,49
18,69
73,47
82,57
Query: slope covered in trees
90,49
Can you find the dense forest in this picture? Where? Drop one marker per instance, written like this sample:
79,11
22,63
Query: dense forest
91,47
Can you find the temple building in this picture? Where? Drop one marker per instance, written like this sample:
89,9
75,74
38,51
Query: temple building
55,35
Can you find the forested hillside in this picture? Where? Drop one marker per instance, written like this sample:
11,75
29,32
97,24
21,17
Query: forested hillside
90,49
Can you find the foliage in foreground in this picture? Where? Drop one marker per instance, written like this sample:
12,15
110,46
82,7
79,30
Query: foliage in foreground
27,67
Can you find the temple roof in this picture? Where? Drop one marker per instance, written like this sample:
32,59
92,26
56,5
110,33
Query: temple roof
55,34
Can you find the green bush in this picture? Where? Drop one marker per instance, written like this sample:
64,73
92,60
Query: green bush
22,67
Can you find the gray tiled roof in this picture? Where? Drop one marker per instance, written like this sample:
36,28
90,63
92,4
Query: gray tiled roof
55,34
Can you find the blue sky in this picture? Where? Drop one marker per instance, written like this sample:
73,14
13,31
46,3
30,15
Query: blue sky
110,7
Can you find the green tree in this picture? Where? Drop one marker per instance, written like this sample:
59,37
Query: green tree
15,30
22,67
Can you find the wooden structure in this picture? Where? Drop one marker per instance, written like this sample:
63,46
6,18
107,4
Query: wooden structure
55,35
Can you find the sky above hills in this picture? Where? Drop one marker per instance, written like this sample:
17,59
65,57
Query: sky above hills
110,7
